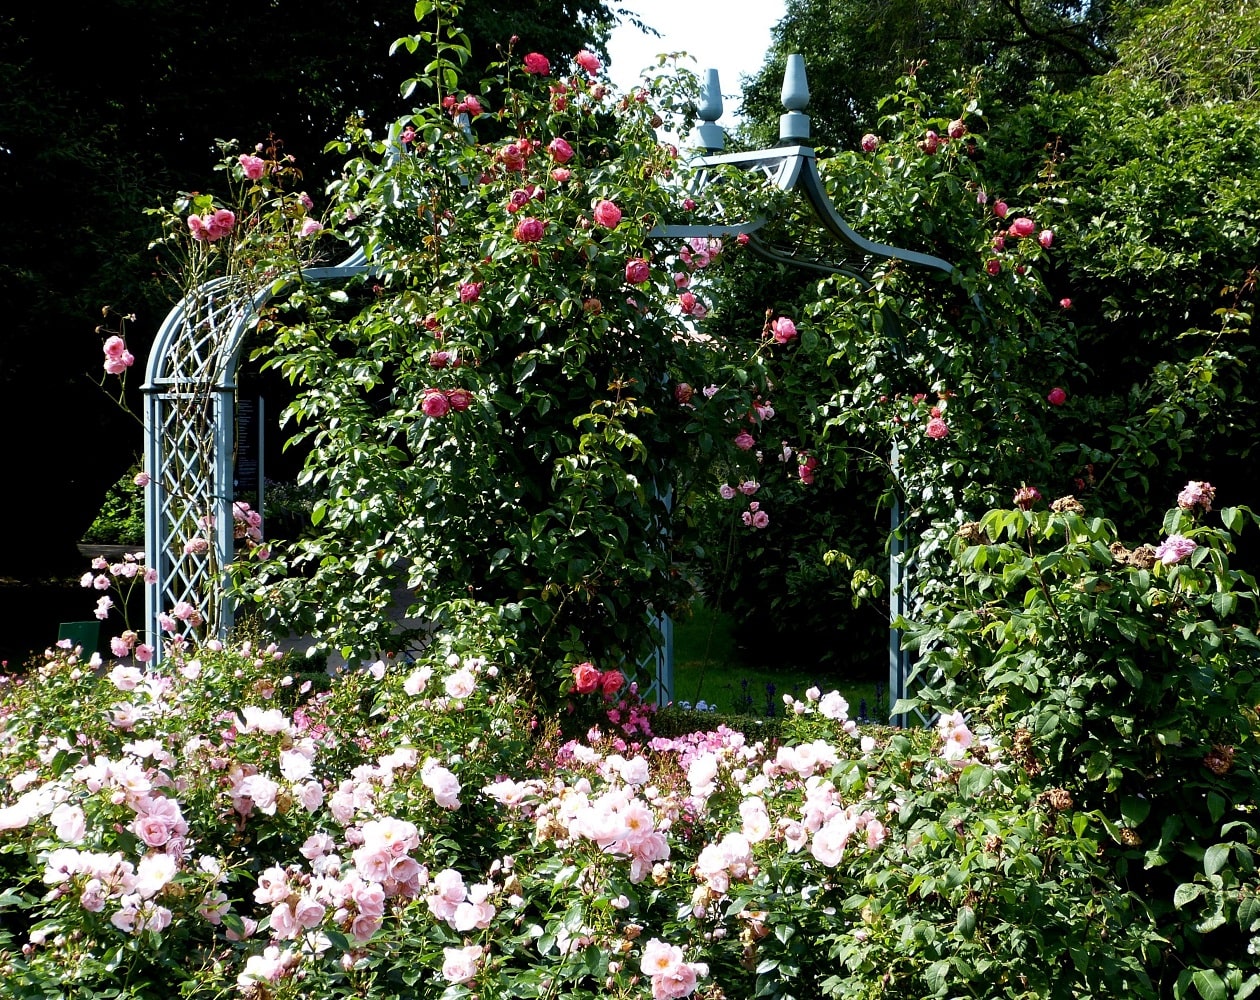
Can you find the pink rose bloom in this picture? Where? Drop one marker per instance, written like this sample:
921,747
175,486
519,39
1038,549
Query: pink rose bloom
588,60
687,302
726,491
1056,397
957,128
870,142
1000,209
469,292
537,64
460,399
221,223
142,479
637,271
937,428
114,347
473,105
585,678
530,230
931,141
783,330
459,965
1022,228
760,519
1046,238
1065,303
443,784
610,684
310,227
607,214
253,166
1174,548
561,174
744,441
560,150
805,470
993,267
1197,496
435,403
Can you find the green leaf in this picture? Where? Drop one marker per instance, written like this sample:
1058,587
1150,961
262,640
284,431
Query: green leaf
974,779
936,976
1209,984
1215,858
1186,892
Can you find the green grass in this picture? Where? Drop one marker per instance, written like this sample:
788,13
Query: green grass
709,667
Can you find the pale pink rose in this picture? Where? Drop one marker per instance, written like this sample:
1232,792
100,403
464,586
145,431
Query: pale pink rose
760,519
442,783
69,823
607,214
830,840
1046,238
561,174
144,653
459,965
726,491
153,830
153,873
937,428
310,227
1174,548
460,684
283,923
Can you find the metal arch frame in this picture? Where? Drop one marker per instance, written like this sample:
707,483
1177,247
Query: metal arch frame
189,432
793,167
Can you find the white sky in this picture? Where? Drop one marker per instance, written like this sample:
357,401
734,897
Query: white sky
731,36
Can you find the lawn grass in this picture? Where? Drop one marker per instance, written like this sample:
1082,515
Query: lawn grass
710,667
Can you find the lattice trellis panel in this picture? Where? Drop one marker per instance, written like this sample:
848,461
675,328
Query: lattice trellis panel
189,425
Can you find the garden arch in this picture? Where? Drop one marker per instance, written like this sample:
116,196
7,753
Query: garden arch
190,385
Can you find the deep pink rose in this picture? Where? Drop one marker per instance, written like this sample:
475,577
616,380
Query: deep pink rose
930,142
1022,228
537,64
1000,209
530,230
1065,303
585,678
472,105
993,267
744,441
610,683
607,214
588,60
937,428
460,399
1056,397
637,271
253,166
435,403
687,302
560,150
469,292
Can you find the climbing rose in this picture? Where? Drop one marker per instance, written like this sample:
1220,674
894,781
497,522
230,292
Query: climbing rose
805,470
744,441
310,227
1174,548
588,60
607,214
469,292
253,166
687,302
993,267
683,392
957,128
435,403
560,150
1000,209
537,64
637,271
870,143
1022,227
1056,397
930,142
1046,238
937,428
530,230
1065,303
117,358
1197,495
460,399
585,678
561,174
783,330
